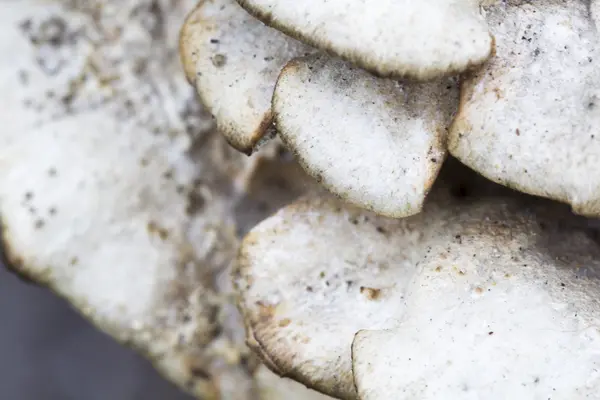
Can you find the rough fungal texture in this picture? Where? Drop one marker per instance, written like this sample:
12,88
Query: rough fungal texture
416,39
114,192
234,60
530,119
375,142
461,301
299,286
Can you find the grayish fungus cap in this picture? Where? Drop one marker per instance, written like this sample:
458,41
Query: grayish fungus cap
476,297
530,118
233,60
400,38
375,142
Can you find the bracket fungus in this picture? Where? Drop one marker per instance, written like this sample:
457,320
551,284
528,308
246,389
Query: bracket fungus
233,60
116,193
530,118
479,297
416,39
375,142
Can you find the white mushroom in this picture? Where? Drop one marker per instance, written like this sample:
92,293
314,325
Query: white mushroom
484,297
417,39
375,142
233,60
114,191
530,119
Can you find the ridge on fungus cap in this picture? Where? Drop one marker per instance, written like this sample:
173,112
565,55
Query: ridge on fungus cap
375,142
483,296
391,38
233,60
530,118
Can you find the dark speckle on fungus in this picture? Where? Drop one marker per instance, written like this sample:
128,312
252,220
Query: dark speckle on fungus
370,293
219,60
155,229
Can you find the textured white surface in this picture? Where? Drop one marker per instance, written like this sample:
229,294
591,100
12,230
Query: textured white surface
530,119
375,142
486,297
234,60
420,39
114,191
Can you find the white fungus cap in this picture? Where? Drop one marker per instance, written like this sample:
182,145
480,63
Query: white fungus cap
530,118
233,60
399,38
375,142
478,297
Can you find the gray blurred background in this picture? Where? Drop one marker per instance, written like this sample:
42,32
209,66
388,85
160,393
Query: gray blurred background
48,352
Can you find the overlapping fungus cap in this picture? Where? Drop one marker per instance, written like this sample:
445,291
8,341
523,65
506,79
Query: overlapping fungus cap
344,125
477,297
419,40
116,193
530,118
233,60
377,143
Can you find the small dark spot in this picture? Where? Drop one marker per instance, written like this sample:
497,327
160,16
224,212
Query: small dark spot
153,228
536,380
52,172
433,160
195,203
518,132
168,174
309,289
381,230
39,224
52,211
284,322
490,333
322,275
214,41
74,261
28,196
198,372
219,60
370,293
23,77
562,284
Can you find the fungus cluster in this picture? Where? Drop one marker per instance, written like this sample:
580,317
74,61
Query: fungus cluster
394,282
383,267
